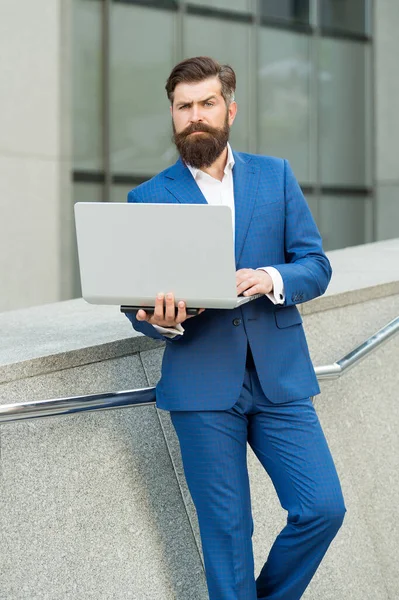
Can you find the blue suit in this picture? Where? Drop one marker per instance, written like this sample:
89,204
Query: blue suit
245,375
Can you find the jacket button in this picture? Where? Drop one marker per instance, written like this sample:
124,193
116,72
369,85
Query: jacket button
236,322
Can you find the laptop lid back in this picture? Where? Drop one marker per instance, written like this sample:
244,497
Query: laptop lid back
130,252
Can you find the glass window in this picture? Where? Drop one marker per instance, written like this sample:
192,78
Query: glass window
284,99
87,98
344,120
119,191
171,4
344,15
226,42
313,203
387,209
142,56
293,11
232,5
345,221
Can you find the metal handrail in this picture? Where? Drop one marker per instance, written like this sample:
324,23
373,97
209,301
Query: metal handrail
146,396
346,362
76,404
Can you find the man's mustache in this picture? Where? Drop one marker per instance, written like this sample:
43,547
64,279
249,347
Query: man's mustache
198,127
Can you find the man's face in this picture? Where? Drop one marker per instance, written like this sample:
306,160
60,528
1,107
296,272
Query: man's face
201,121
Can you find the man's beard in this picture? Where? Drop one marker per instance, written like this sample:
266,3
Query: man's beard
201,150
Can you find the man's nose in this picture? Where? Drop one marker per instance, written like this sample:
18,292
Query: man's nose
196,115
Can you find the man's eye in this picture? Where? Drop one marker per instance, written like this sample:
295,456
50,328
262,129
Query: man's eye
208,103
184,106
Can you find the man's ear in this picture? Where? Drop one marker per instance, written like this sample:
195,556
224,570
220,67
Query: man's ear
232,110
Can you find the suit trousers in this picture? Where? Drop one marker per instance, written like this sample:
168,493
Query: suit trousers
289,442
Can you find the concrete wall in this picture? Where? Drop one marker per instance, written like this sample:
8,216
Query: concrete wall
90,504
95,505
91,507
386,17
34,152
360,416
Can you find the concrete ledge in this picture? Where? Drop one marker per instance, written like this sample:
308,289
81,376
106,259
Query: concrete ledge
360,273
54,337
59,336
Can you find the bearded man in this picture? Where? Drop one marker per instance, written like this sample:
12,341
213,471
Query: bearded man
235,376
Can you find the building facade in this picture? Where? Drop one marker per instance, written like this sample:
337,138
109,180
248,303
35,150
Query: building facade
86,116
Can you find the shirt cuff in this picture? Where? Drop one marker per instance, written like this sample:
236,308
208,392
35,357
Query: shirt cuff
170,332
278,294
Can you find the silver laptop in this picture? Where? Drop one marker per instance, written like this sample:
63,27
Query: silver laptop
130,252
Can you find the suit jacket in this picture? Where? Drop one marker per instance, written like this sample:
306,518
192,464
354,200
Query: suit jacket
204,368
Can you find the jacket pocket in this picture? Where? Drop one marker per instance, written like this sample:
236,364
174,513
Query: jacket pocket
286,317
264,209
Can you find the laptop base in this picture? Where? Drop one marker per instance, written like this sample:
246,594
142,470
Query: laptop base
150,309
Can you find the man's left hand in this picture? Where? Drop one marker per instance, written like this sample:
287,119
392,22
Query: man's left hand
250,282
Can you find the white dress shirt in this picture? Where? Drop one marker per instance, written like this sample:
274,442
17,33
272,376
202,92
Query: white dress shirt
222,192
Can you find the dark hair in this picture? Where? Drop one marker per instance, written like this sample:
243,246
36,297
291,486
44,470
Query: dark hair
199,68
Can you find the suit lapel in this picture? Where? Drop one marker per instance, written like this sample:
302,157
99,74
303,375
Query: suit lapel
246,179
182,185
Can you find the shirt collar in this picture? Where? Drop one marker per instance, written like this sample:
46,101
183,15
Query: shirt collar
229,164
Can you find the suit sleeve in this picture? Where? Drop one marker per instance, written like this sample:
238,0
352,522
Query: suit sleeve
142,326
307,271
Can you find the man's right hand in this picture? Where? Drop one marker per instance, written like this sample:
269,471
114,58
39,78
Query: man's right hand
164,314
